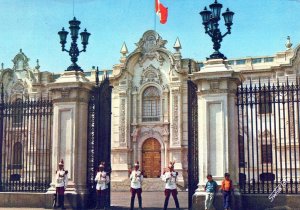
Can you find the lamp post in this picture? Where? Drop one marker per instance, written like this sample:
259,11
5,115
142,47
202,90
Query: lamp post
74,51
210,20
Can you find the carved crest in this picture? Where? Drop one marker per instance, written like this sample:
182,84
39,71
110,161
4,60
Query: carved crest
151,74
150,42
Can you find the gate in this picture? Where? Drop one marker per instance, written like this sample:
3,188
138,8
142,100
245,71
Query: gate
193,175
99,133
25,144
269,132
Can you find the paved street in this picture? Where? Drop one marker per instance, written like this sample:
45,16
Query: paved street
151,201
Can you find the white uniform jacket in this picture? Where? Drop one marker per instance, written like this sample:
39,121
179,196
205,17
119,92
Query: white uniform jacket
61,178
102,180
136,179
170,179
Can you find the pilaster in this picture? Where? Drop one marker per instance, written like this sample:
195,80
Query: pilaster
217,121
70,95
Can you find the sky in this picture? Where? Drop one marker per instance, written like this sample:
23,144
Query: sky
260,28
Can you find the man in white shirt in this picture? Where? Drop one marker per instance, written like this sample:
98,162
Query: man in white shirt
61,178
102,179
136,178
170,178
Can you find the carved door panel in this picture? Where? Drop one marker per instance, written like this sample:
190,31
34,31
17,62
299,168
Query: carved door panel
151,158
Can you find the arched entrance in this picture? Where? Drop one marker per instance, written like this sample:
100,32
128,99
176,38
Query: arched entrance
151,158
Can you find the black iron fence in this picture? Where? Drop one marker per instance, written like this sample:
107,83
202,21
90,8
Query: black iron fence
269,130
25,144
193,172
99,134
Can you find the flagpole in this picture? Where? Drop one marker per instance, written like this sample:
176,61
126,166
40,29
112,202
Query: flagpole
154,15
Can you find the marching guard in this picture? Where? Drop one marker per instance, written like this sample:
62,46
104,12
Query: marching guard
170,178
102,179
61,185
136,178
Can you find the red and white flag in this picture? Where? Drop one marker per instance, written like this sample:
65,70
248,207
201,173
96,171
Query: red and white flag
161,11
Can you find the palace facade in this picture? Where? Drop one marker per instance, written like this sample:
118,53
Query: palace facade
150,103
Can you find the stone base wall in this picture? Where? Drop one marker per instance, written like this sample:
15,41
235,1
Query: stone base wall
149,185
250,202
39,200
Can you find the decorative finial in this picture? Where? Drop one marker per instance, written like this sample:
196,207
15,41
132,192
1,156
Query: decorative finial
124,50
2,66
37,64
288,43
97,76
177,45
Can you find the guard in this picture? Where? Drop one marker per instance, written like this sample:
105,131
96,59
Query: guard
102,179
136,178
170,177
61,185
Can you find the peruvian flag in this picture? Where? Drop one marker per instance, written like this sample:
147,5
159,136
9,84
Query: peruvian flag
161,11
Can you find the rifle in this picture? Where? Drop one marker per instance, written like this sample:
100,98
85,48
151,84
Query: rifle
54,200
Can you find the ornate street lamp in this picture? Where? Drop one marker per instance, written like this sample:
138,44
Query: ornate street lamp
74,51
210,20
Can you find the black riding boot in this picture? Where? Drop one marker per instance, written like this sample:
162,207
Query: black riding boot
166,202
62,202
140,202
132,202
176,202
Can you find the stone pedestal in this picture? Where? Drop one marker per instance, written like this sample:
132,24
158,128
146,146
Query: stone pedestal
217,120
70,94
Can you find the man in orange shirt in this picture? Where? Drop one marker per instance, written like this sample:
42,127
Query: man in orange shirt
226,187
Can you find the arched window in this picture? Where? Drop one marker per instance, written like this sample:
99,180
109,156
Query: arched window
151,104
17,116
17,156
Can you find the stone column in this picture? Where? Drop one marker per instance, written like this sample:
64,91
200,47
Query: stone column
217,124
70,95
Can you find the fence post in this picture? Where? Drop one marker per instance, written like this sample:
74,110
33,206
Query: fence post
1,132
70,94
217,125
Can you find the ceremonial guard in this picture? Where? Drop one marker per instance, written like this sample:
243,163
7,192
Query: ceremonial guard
170,177
61,178
136,178
102,179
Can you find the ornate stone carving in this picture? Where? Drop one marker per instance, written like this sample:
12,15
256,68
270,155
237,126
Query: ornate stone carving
20,61
166,131
151,74
135,132
214,85
149,45
151,41
122,132
175,139
65,93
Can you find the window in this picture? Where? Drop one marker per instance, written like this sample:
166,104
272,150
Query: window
17,116
17,156
266,153
269,59
241,151
265,105
151,104
240,62
256,60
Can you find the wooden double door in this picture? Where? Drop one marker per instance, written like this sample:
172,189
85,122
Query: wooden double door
151,156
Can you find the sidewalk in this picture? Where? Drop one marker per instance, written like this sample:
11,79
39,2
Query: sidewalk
151,201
